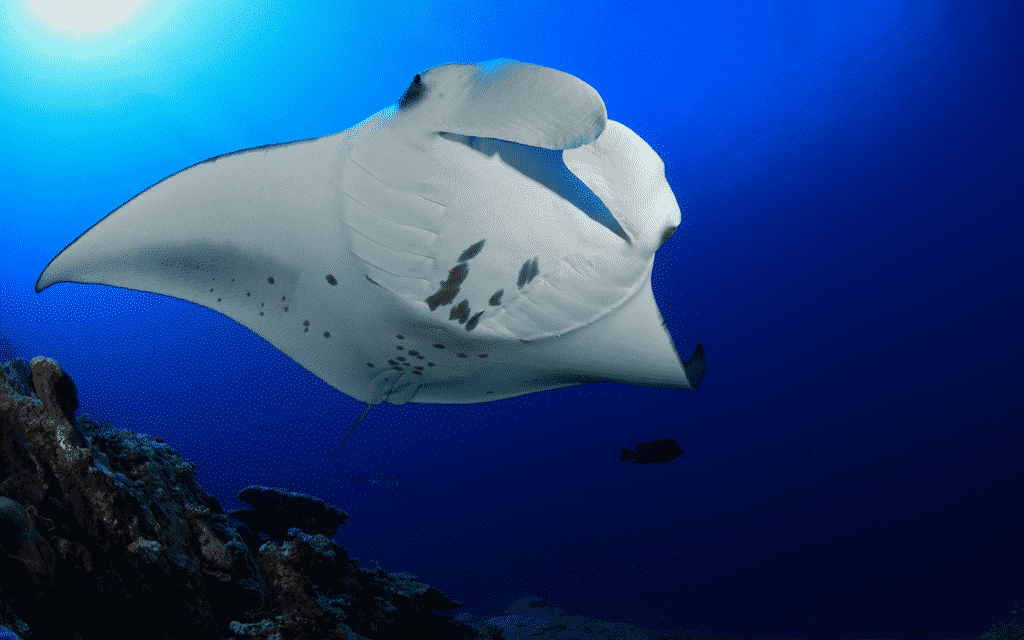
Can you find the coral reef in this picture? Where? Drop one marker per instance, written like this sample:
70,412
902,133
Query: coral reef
112,525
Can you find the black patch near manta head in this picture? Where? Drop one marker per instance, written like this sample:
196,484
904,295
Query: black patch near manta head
413,94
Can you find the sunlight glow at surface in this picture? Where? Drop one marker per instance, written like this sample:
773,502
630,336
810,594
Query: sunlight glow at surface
82,16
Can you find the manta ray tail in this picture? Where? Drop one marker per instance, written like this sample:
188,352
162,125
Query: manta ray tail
365,411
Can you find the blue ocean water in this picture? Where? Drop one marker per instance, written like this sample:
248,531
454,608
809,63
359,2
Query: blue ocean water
850,256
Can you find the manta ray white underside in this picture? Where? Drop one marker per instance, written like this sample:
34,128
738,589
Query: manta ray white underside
490,235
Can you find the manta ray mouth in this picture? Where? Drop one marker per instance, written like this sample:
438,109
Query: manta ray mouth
546,167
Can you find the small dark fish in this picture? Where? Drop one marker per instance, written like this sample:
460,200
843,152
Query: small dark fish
662,450
378,481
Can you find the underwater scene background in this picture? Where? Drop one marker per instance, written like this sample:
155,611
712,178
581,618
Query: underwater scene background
849,175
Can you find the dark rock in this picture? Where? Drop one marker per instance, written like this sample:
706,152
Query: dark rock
278,510
54,387
111,529
26,559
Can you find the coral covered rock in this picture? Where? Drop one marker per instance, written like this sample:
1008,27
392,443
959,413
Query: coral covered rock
112,525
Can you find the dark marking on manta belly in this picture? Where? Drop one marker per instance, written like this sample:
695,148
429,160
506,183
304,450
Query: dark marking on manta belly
332,280
449,288
460,312
528,272
495,300
472,251
270,279
471,324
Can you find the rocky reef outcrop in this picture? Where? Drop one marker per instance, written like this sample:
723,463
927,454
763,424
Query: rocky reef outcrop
105,533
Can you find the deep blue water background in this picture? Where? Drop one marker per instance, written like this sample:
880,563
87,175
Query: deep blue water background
850,256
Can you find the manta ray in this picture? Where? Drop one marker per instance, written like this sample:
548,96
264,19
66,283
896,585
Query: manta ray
490,235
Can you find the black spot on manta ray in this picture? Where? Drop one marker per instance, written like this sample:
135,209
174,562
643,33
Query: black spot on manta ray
211,290
248,293
414,353
456,276
439,346
495,300
472,321
527,273
286,309
413,94
400,348
333,281
460,312
327,334
369,364
449,288
270,279
431,364
400,337
418,373
306,323
218,300
472,251
462,355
